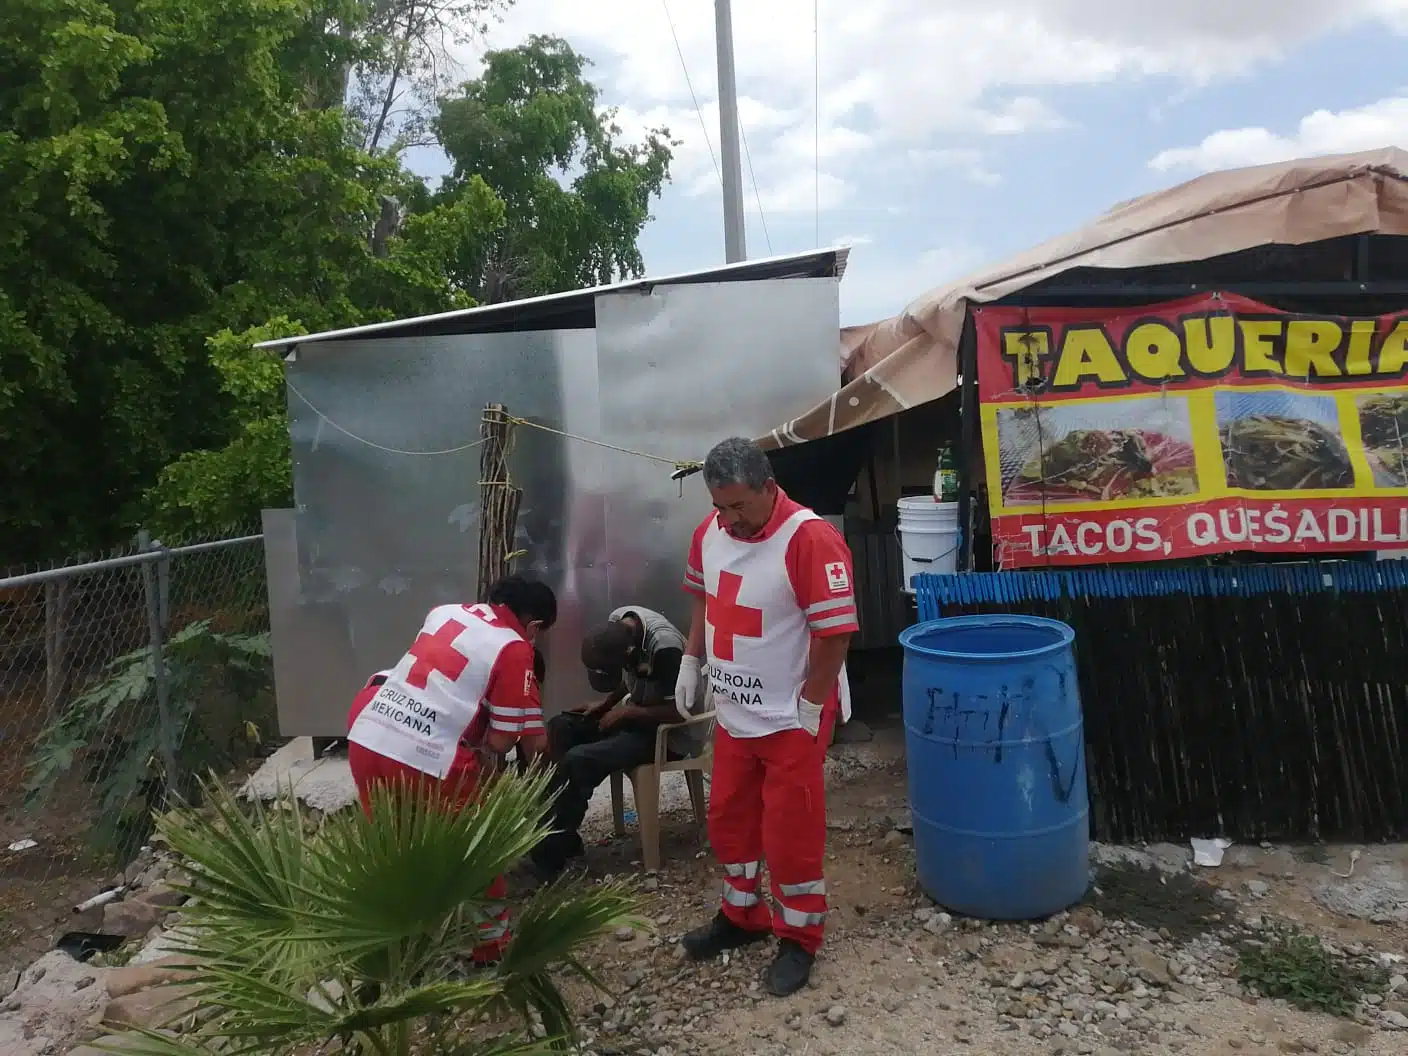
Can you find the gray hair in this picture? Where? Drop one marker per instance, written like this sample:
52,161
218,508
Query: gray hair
737,461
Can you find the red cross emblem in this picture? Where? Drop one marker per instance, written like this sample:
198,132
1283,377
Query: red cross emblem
836,577
729,619
437,652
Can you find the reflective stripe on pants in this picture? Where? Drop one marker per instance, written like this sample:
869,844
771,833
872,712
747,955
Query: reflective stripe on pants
767,801
494,933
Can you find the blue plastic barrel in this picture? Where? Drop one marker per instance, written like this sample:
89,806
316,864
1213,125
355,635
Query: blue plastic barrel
996,751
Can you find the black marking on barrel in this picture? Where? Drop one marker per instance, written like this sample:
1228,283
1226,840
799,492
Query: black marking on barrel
954,715
1062,790
1001,725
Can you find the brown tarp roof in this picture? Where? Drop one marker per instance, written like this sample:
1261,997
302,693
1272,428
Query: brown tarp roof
912,358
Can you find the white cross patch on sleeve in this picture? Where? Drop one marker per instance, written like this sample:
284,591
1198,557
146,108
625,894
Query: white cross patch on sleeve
837,578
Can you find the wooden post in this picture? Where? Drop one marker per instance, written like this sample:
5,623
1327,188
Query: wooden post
498,499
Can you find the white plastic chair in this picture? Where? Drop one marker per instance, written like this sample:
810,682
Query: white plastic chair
645,787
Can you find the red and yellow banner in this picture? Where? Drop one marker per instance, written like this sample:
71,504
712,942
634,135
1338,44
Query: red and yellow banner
1194,427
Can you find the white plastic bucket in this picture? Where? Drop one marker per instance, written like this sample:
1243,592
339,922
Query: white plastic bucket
928,538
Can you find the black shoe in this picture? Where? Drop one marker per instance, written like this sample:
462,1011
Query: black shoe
547,867
550,857
720,934
790,970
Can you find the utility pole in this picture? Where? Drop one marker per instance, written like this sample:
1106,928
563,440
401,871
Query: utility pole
735,242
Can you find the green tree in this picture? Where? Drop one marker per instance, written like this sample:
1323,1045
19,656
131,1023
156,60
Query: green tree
392,91
221,489
501,227
525,125
176,169
170,169
355,933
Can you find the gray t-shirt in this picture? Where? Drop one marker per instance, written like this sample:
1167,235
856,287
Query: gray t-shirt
652,681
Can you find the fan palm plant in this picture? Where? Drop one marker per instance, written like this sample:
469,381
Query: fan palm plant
354,934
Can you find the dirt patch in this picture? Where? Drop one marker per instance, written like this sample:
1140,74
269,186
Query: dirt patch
1175,905
1329,889
40,885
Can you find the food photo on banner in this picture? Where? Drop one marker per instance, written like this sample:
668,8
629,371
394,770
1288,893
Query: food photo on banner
1199,426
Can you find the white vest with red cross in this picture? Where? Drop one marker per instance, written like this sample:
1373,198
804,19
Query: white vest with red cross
756,634
432,696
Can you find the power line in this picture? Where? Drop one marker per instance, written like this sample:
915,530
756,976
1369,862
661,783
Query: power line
703,125
816,118
756,196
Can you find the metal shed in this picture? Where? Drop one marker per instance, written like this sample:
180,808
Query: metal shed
616,383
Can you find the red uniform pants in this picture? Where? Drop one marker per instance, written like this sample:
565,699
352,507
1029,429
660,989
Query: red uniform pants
767,800
370,769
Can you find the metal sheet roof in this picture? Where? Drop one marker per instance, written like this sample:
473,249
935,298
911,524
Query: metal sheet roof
576,308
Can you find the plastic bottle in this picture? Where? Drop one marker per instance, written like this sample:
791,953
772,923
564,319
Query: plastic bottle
945,477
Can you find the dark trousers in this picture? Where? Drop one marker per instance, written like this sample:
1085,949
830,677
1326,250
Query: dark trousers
584,757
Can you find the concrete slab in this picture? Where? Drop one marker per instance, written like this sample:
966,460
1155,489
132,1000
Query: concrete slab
322,784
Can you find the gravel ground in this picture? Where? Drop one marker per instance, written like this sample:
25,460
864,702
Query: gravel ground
1146,966
898,975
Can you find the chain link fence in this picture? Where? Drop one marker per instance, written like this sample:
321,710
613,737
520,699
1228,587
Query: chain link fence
122,681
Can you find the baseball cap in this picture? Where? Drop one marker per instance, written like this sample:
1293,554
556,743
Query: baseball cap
605,653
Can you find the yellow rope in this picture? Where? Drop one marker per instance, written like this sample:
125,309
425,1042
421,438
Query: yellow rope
675,462
363,440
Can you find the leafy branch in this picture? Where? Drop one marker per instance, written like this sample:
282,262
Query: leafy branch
357,932
113,733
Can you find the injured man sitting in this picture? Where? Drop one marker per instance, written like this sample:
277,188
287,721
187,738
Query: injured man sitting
634,658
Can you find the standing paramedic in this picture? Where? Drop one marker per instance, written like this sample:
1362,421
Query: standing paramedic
463,695
774,611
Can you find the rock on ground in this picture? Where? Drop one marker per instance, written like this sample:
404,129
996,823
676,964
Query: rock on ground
131,919
322,784
1379,895
51,1008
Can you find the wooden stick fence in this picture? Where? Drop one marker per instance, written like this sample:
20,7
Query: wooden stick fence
498,499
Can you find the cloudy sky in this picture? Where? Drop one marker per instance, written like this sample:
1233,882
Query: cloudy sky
952,133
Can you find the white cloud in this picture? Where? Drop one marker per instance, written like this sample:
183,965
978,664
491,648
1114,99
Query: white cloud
1380,124
878,285
801,192
911,87
967,161
896,75
1018,115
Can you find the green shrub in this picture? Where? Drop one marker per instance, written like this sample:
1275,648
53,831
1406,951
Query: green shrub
1296,967
356,932
219,708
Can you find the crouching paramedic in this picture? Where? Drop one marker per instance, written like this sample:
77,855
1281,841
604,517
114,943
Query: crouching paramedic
773,612
464,694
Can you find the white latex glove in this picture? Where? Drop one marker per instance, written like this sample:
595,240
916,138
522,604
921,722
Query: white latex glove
687,687
809,715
